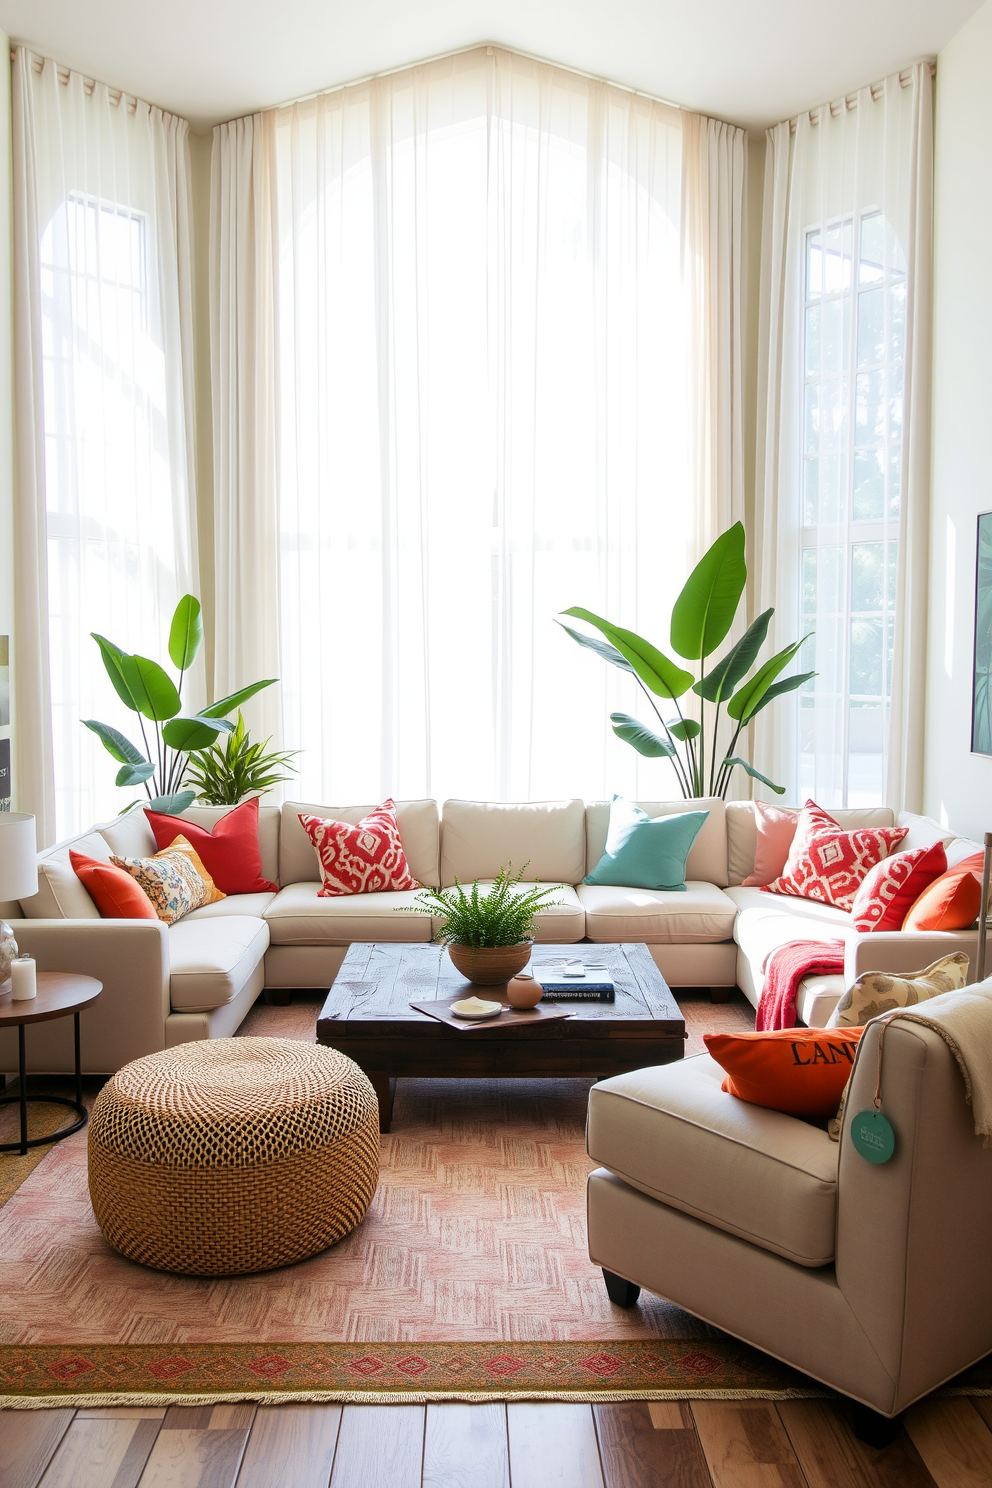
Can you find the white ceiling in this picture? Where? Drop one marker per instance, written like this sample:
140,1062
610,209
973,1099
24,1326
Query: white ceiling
749,61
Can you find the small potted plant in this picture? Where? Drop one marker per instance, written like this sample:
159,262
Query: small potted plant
488,933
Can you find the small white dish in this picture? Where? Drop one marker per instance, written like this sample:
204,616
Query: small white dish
476,1009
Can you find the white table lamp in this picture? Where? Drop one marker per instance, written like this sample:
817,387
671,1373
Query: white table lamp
18,873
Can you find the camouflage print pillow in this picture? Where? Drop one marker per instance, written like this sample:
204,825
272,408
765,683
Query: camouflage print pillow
170,881
877,992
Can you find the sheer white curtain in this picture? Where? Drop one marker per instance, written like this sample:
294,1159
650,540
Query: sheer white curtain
842,494
479,345
103,397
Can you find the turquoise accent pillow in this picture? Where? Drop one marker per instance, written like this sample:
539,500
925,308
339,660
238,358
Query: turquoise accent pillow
645,852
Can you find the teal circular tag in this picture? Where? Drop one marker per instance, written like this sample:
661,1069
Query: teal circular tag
872,1136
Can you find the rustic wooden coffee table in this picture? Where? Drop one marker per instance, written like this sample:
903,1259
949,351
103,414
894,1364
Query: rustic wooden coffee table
367,1015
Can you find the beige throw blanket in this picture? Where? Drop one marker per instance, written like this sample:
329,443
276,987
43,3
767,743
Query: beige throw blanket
964,1021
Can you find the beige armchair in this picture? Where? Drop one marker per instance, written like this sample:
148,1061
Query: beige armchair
874,1279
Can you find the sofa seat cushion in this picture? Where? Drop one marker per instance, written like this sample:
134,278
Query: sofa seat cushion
212,959
563,921
765,921
298,916
817,998
235,904
671,1132
701,915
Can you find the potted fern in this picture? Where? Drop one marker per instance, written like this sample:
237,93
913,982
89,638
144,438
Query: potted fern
489,934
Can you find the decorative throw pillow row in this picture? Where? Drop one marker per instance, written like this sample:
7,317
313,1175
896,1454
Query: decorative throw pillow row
166,887
827,864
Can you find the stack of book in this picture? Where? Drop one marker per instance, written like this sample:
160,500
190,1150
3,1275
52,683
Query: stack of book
565,981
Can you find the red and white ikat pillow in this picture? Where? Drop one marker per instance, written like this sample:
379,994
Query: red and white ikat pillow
893,886
364,858
829,865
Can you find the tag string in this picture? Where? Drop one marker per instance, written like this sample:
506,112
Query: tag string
877,1099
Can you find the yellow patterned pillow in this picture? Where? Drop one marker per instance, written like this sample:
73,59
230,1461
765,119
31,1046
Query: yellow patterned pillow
181,845
878,992
170,881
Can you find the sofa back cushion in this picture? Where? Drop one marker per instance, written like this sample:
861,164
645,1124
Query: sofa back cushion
742,833
130,836
60,894
707,860
544,838
269,817
417,821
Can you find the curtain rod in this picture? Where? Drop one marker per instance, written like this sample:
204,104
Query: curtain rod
115,96
850,100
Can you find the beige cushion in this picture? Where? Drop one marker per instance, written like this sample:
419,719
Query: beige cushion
564,920
707,860
418,827
674,1134
298,916
923,831
212,959
700,916
60,894
765,921
130,836
742,832
544,838
207,817
960,848
817,998
235,904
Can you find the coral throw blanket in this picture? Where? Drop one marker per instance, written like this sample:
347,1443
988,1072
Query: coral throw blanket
785,968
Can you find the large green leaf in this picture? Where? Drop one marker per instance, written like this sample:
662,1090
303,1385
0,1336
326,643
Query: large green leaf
744,703
152,688
718,684
186,632
644,740
658,673
172,804
112,658
684,728
778,688
235,699
134,774
194,733
705,610
602,648
756,775
114,742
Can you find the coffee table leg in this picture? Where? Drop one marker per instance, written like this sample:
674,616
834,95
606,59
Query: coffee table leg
385,1088
22,1078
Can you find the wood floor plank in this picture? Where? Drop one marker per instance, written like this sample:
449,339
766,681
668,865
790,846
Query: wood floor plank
983,1405
831,1456
28,1440
465,1446
552,1446
197,1458
292,1444
670,1415
953,1441
746,1445
228,1417
379,1444
102,1454
637,1454
122,1413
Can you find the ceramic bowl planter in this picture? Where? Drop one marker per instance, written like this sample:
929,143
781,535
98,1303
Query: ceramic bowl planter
488,966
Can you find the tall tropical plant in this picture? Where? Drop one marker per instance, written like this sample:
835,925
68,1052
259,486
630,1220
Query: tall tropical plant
701,620
148,690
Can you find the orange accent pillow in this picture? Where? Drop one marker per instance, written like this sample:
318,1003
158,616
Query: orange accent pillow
115,893
801,1071
952,901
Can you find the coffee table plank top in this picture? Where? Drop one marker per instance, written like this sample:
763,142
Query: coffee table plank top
377,983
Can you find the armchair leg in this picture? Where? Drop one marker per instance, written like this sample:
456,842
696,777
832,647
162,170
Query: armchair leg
623,1293
874,1429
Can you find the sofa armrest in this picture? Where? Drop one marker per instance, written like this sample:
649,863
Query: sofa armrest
131,959
901,951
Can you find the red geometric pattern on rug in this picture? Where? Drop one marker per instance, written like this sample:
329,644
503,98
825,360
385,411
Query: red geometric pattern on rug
826,863
366,858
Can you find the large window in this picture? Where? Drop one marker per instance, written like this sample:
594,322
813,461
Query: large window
854,345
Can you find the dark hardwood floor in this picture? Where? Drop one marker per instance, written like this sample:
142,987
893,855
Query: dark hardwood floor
670,1444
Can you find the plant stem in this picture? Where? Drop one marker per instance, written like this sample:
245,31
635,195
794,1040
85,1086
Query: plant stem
676,757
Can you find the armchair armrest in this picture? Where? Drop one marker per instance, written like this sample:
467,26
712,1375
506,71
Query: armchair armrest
131,959
902,951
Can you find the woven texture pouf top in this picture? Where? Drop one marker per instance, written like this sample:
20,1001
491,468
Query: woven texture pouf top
233,1155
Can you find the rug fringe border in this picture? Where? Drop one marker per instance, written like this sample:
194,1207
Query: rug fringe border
132,1398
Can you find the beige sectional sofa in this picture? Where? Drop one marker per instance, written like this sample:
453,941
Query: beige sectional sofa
198,978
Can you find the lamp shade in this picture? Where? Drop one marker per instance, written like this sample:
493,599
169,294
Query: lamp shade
18,855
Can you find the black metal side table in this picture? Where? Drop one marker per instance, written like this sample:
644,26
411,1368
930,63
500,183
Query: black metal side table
59,994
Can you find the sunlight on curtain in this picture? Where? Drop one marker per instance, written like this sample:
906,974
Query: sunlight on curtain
481,414
113,269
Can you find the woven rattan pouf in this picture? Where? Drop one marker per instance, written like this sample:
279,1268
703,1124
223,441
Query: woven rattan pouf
233,1155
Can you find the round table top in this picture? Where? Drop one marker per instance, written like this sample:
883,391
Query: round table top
59,993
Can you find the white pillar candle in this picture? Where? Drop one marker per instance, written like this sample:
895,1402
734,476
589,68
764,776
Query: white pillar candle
23,979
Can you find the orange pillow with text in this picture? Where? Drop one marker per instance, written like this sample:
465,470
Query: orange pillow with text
801,1071
952,901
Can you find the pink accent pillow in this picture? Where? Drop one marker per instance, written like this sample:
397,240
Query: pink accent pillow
828,864
363,859
776,829
893,886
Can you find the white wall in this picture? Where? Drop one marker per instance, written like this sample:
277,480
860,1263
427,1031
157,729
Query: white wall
6,381
958,784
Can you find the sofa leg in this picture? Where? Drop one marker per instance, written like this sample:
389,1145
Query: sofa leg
871,1427
722,994
623,1293
278,996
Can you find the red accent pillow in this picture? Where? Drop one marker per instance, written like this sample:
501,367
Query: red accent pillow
366,858
230,852
893,886
828,864
952,901
115,893
801,1071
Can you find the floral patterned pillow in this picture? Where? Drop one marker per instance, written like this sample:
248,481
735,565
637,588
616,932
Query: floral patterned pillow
170,881
877,992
